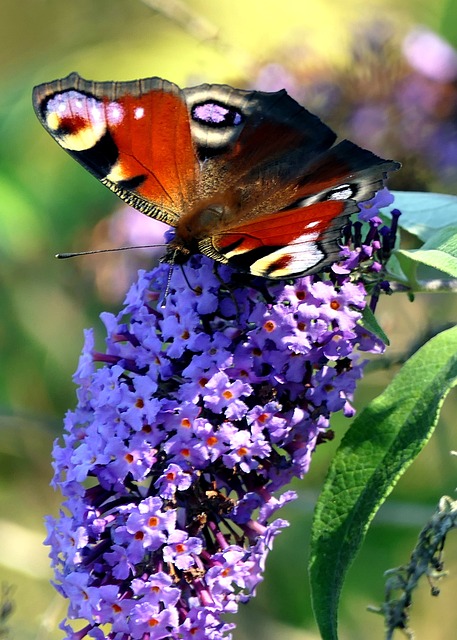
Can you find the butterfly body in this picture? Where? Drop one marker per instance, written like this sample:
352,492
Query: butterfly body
246,177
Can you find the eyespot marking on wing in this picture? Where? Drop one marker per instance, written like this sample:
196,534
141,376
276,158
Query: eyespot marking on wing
216,114
79,121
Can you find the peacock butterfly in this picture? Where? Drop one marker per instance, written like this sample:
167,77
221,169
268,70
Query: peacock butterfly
246,177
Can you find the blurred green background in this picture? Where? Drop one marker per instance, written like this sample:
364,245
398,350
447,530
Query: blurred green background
321,49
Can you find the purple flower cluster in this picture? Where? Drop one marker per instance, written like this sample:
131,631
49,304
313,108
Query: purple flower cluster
189,421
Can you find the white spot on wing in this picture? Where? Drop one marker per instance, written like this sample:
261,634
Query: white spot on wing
138,113
343,192
114,113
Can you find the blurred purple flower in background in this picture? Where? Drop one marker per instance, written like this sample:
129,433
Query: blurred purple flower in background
124,227
396,97
188,422
430,55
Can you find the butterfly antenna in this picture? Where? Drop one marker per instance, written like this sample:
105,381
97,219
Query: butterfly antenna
170,273
63,256
168,285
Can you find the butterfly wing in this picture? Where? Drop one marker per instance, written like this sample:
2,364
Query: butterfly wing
246,177
248,130
165,150
283,192
133,136
302,237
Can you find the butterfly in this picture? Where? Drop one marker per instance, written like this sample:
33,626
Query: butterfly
247,178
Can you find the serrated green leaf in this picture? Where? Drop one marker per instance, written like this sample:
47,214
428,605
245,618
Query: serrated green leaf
382,442
370,322
422,214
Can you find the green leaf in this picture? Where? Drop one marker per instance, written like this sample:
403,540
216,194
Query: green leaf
439,252
382,442
370,322
424,213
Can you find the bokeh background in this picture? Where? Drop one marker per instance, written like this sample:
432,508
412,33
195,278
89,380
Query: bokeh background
383,73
